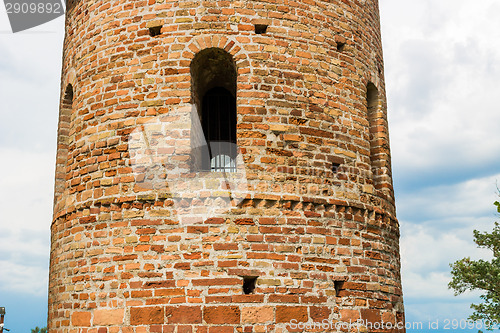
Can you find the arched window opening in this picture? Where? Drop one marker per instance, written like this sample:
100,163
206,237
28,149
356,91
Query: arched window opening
371,97
213,79
63,140
67,102
372,101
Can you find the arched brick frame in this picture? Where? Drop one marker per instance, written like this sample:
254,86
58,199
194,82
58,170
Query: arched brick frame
70,78
378,137
63,132
230,45
214,68
233,48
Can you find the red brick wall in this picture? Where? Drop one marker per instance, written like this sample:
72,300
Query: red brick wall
122,261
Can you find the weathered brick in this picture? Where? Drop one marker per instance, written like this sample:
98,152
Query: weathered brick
183,314
347,315
108,317
221,314
285,314
147,315
371,315
81,319
257,314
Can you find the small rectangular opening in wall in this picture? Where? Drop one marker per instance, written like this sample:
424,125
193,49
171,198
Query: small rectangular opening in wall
155,31
338,287
249,284
340,46
335,167
260,28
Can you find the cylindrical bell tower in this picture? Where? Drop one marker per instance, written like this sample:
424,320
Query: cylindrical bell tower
223,166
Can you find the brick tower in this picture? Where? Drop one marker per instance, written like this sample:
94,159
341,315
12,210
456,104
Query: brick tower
223,166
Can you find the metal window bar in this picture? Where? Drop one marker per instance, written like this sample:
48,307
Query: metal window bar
222,163
219,120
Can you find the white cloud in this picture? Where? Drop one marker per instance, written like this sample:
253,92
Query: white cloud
30,71
26,205
442,70
29,91
442,64
436,231
30,67
27,179
426,255
24,279
460,203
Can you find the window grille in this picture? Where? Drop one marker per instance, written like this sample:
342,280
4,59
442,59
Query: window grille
219,127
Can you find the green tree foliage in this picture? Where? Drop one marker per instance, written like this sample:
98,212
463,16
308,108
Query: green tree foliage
39,330
481,275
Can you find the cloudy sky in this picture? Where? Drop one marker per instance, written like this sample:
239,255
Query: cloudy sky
442,66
